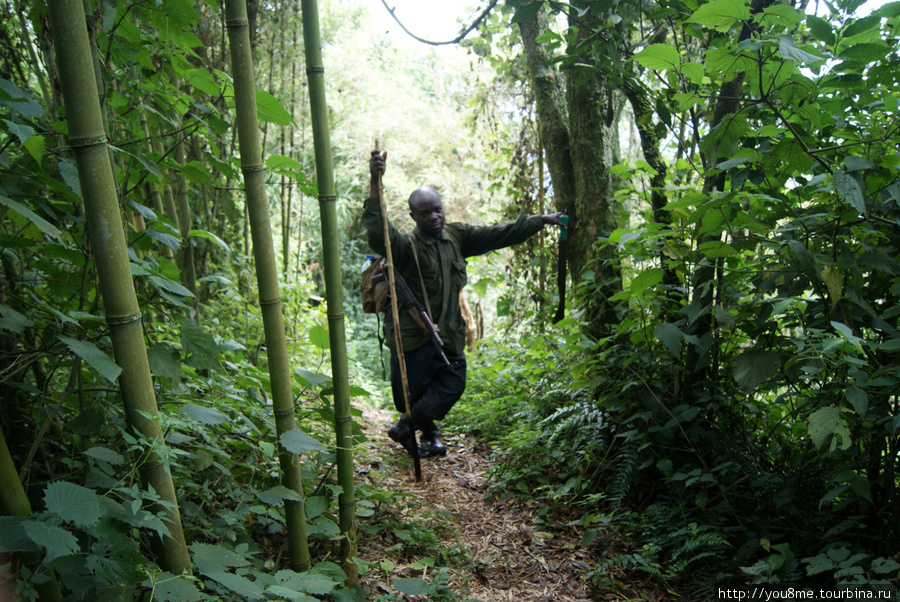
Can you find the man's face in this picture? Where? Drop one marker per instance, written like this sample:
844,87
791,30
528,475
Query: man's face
427,211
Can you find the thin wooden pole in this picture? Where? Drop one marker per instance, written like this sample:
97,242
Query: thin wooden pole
395,312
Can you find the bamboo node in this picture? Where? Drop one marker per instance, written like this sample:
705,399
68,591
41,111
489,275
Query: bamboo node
120,320
328,198
87,141
238,23
252,168
313,70
274,301
284,412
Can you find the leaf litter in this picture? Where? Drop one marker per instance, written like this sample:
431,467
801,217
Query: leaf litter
506,553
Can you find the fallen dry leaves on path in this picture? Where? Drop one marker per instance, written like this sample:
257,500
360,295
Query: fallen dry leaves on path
510,556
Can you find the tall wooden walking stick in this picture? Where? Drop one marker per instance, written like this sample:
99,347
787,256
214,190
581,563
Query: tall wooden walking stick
395,312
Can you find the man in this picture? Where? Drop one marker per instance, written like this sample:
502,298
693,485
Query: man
439,252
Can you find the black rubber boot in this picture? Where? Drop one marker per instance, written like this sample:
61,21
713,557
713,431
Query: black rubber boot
400,433
430,445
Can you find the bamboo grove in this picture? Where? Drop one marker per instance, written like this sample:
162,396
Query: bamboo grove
176,384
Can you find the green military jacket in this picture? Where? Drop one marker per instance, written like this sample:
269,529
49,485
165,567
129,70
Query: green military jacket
443,263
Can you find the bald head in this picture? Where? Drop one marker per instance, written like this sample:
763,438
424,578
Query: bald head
426,209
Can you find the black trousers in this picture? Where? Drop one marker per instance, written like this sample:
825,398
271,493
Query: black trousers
433,387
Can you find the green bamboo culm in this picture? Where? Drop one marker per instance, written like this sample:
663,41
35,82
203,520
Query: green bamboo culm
343,424
266,270
107,237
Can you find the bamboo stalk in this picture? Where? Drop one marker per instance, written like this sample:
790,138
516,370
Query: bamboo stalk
88,142
343,423
266,270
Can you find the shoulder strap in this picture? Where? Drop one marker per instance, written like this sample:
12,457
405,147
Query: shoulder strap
415,246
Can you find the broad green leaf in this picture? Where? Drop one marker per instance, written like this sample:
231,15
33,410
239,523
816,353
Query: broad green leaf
211,237
165,361
93,355
526,11
171,241
69,173
168,587
753,368
280,163
298,442
171,286
106,455
284,593
13,321
311,582
864,53
203,415
790,52
412,586
858,398
275,496
315,506
72,503
149,165
18,100
318,336
854,163
659,56
646,279
243,587
850,190
721,15
199,347
271,110
315,379
22,132
55,540
35,147
210,558
825,422
820,28
42,224
670,336
834,280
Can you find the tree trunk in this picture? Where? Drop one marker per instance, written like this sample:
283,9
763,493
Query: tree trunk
576,130
266,271
343,424
107,237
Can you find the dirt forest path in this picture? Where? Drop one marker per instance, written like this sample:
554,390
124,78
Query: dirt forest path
509,556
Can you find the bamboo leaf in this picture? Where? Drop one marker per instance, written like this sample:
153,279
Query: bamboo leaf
298,442
15,98
72,503
42,224
92,354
